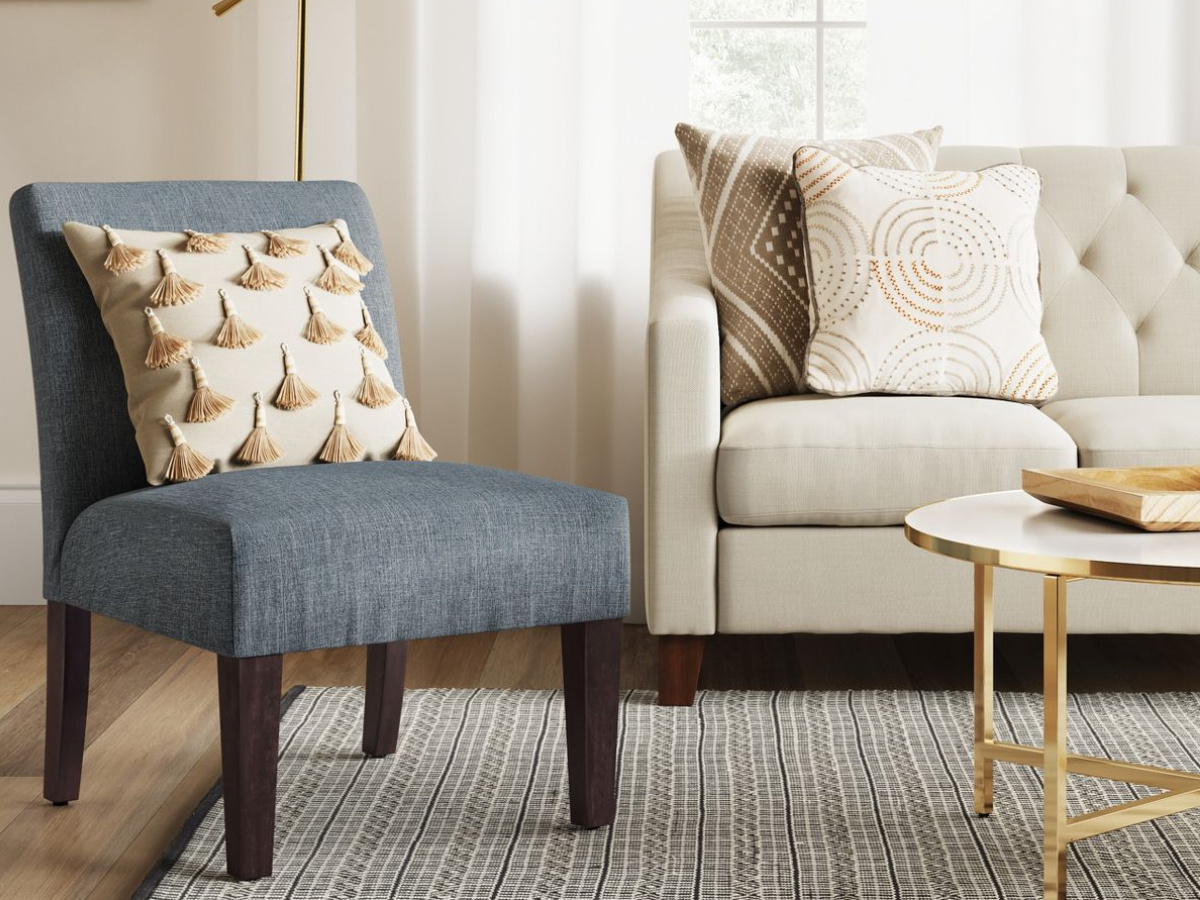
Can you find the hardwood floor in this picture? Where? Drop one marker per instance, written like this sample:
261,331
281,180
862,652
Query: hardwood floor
152,749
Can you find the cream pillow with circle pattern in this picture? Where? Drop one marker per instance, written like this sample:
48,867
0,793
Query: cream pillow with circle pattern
245,349
923,282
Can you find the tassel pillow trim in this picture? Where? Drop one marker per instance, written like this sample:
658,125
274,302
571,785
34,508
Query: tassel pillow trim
320,329
185,464
260,276
235,333
259,447
341,445
199,242
348,254
294,392
121,257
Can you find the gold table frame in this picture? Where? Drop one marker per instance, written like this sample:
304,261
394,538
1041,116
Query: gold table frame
1181,790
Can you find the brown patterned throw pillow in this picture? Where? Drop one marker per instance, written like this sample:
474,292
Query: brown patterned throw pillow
751,217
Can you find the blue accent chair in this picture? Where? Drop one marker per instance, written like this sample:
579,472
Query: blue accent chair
257,563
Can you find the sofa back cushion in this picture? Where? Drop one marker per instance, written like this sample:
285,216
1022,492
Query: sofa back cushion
1119,237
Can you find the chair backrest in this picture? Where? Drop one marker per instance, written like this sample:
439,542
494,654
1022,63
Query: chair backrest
86,440
1119,236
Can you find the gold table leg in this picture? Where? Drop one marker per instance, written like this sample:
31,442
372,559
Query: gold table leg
1054,673
1180,790
984,634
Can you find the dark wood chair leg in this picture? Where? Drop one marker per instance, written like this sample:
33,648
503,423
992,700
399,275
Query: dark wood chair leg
249,695
591,654
679,658
68,665
385,697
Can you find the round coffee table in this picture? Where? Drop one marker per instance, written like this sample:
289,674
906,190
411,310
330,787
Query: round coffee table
1012,530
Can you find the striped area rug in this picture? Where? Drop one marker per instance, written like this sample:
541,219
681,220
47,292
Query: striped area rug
821,795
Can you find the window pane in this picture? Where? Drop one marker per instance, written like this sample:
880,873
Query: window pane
845,82
755,79
845,10
754,10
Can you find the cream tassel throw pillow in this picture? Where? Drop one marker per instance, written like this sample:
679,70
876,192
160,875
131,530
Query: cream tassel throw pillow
233,352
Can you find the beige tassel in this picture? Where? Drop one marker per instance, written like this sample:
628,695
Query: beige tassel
320,329
281,247
174,289
347,253
336,279
235,334
412,445
165,349
199,242
374,391
341,445
206,404
293,393
121,257
260,447
260,276
185,463
368,336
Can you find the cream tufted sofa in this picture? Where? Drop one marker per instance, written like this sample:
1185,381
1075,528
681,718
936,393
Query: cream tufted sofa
783,516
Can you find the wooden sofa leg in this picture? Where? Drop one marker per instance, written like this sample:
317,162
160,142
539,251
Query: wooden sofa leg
591,653
385,697
249,696
679,658
68,665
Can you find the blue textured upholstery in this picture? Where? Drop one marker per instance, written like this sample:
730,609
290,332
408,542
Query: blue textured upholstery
274,560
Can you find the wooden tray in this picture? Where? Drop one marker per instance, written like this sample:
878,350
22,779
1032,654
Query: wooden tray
1160,498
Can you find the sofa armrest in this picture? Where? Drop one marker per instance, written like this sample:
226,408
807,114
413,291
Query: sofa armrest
683,416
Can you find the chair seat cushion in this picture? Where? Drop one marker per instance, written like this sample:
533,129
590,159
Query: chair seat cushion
1132,431
274,560
869,460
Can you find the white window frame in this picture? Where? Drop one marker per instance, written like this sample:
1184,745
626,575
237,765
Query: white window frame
819,24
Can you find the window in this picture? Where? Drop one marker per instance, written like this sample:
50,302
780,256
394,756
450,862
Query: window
788,67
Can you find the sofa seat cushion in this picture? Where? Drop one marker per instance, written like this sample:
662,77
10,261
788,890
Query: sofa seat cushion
1132,431
869,460
278,559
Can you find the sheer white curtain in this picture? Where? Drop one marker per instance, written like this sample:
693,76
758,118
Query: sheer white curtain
508,149
1025,72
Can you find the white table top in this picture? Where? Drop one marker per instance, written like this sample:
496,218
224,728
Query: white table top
1014,531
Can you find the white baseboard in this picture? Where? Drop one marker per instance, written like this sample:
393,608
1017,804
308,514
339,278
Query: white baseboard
20,545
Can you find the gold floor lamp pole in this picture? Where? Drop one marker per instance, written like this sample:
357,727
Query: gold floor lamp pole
225,6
